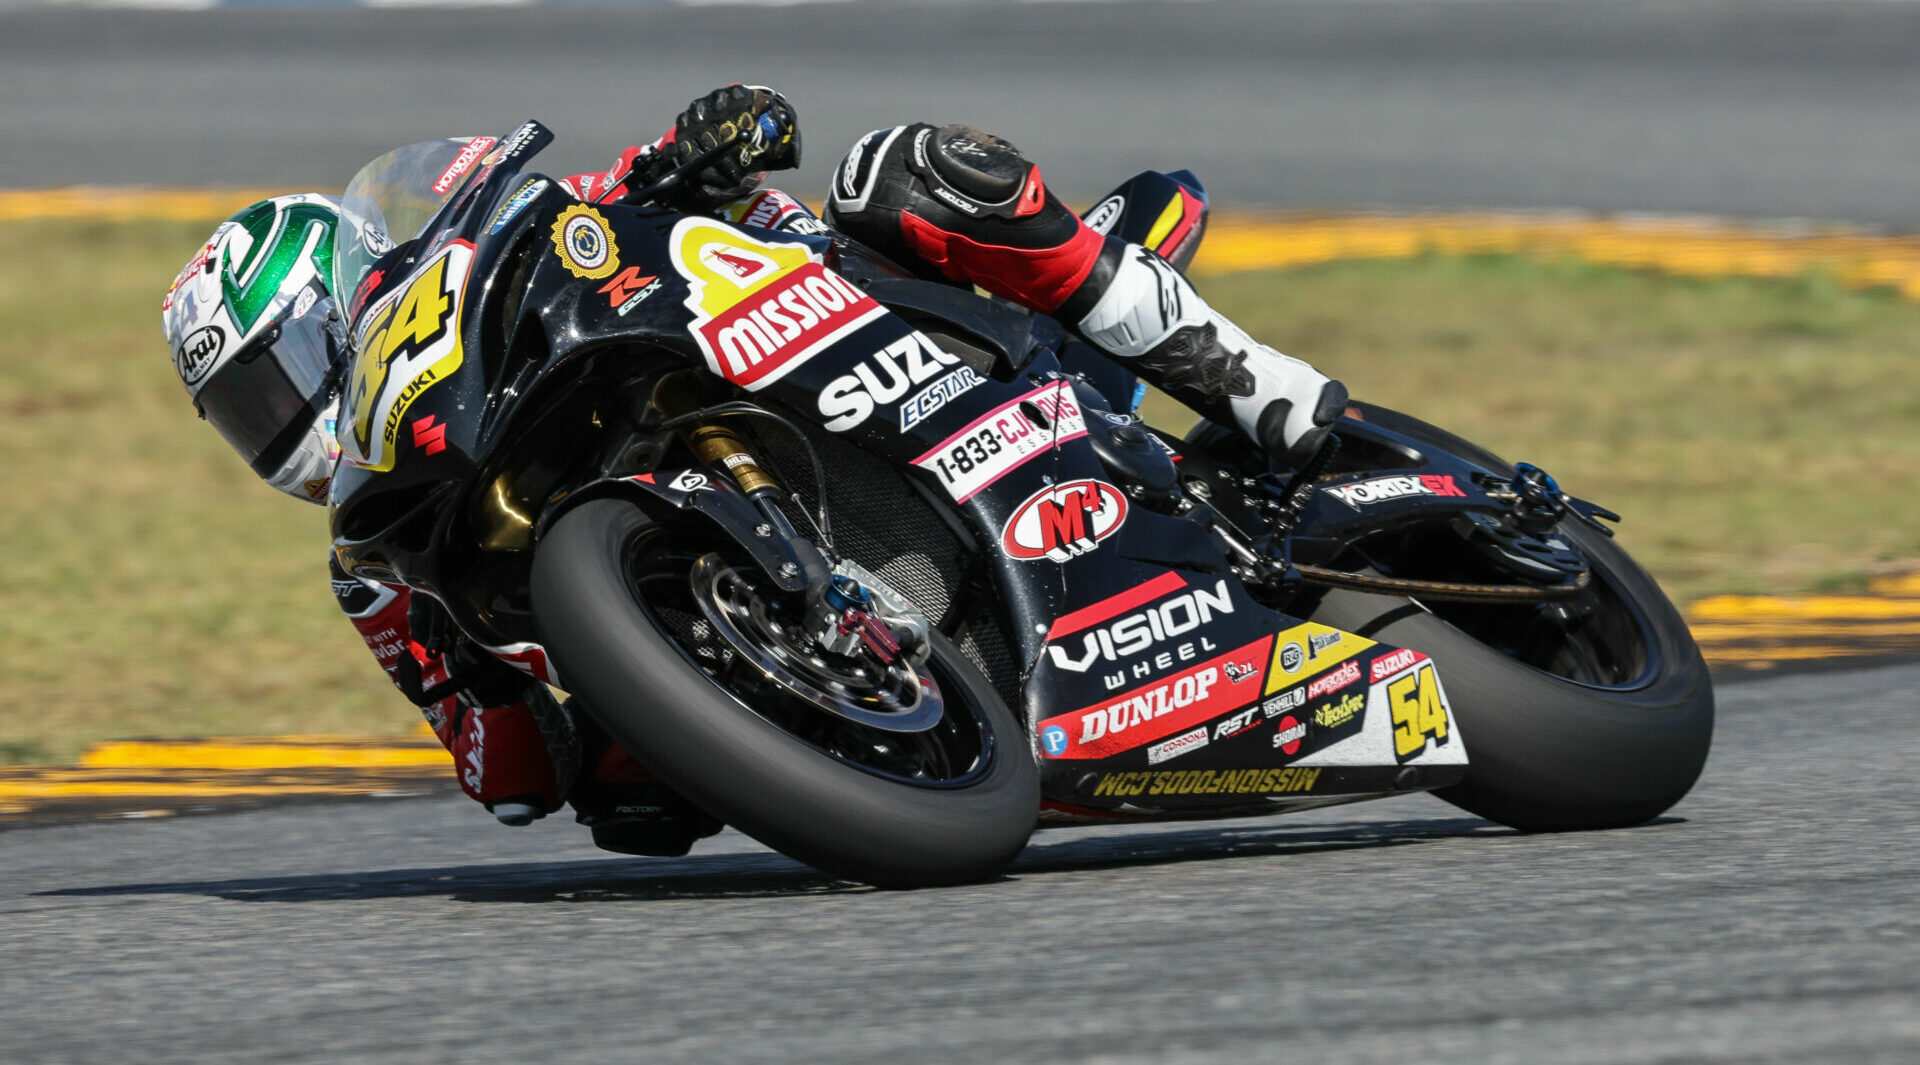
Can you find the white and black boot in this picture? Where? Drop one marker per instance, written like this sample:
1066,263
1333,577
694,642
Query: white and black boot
1138,309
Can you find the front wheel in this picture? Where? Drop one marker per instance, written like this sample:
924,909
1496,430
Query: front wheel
691,661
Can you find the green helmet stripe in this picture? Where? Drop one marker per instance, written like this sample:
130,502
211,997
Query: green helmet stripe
279,239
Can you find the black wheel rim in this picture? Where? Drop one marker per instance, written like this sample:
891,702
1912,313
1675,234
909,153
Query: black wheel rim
956,752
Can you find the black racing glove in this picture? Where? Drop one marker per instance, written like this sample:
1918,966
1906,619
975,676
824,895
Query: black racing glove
759,127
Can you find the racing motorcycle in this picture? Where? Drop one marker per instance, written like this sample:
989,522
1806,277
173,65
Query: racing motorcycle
886,573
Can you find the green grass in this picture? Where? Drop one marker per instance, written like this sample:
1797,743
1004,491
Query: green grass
1757,435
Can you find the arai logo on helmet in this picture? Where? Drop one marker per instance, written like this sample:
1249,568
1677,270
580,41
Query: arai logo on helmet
198,352
1103,216
1063,521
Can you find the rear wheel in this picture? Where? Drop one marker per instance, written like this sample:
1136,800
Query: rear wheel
695,662
1593,712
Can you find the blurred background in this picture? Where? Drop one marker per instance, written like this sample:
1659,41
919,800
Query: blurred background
1654,247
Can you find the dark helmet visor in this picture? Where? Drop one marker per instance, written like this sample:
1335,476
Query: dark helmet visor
270,392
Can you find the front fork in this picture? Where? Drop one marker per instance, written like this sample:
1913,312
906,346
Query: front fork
848,608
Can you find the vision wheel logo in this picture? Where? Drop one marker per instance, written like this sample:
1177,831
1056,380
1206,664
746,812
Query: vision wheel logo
1064,521
585,243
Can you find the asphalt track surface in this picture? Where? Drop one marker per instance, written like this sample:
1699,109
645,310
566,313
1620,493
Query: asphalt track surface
1795,108
1769,917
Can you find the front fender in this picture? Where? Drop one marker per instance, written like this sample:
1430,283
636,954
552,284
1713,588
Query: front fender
715,497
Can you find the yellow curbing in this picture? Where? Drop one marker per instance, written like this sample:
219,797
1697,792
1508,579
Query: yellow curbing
1695,247
1758,631
128,204
267,754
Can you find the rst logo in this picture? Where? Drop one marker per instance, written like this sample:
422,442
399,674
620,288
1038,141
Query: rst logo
1381,488
1063,521
885,376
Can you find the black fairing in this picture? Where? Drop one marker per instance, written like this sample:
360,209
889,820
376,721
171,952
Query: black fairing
544,411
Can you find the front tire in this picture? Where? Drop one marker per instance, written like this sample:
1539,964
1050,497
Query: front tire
749,765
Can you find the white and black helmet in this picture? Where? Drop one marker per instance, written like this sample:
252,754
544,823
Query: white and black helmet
257,339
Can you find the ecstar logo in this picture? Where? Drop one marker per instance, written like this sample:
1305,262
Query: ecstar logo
1064,521
761,309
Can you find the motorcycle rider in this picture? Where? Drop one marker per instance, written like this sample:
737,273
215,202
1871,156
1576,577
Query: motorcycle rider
259,345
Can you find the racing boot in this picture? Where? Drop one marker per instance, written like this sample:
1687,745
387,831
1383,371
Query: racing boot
953,201
514,749
628,809
1137,308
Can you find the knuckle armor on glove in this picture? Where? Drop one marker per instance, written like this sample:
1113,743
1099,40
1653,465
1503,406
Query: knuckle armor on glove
760,128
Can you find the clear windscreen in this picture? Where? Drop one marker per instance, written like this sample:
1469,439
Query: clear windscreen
391,198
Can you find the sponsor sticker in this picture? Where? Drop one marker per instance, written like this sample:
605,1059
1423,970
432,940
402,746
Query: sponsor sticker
585,244
1004,439
1184,743
761,309
688,481
462,163
316,489
1337,713
1063,521
1334,681
885,376
1237,723
1080,644
512,146
516,203
1288,781
1387,665
1054,740
198,353
629,289
1289,734
1276,705
1308,650
1361,493
1157,710
428,436
1105,214
916,408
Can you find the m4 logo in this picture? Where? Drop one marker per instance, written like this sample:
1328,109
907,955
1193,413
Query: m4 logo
1064,521
1419,713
